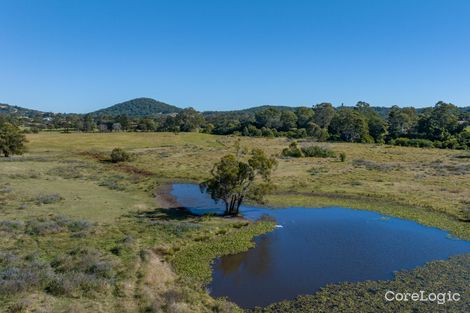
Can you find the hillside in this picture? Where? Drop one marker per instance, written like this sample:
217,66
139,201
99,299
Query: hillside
17,111
139,107
252,110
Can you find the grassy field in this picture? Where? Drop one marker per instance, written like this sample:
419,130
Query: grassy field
64,203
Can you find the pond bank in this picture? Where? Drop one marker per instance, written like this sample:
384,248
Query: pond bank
441,270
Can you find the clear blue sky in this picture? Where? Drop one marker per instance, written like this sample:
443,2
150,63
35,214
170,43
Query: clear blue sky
81,55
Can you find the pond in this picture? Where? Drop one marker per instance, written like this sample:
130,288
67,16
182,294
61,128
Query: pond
313,247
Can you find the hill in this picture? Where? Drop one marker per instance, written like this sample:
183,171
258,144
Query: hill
249,111
139,107
13,110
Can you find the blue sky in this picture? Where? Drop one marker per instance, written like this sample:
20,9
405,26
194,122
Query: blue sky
80,55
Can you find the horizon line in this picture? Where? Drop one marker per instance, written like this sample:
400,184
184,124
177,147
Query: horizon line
235,109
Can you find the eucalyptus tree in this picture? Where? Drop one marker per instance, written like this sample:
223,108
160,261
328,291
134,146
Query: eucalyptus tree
239,176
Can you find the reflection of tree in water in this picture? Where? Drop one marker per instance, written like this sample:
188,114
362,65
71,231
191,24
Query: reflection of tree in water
256,261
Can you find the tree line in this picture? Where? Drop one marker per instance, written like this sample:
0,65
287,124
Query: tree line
441,126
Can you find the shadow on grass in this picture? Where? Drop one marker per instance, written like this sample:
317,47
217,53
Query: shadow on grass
167,214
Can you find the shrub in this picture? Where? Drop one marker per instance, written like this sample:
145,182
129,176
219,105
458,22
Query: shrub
370,165
317,170
11,226
78,226
119,155
71,283
293,151
16,277
43,227
48,198
56,224
318,152
67,172
465,211
79,271
407,142
342,156
113,182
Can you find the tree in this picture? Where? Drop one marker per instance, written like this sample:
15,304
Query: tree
11,140
189,120
123,119
269,118
147,124
315,131
304,116
323,114
88,123
401,121
288,120
376,124
233,179
350,125
377,127
439,123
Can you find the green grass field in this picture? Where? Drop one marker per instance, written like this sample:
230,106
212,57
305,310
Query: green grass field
64,203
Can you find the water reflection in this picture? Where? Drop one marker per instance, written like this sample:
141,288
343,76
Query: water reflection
255,261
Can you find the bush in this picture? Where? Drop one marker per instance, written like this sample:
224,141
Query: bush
11,226
43,227
293,151
48,198
114,182
56,224
119,155
371,165
407,142
342,156
318,152
465,211
16,277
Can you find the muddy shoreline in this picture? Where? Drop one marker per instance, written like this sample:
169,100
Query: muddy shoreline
165,199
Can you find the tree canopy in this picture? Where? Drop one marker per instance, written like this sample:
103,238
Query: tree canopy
233,179
11,139
441,126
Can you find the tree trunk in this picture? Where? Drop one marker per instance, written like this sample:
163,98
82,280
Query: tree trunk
231,208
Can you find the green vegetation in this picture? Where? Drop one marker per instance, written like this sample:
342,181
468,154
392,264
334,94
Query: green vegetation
368,296
443,126
119,155
63,208
296,151
233,179
11,140
318,152
193,261
140,107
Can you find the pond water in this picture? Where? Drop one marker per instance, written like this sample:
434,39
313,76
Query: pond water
313,247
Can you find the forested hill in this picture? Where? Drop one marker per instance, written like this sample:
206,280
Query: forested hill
382,111
253,110
12,110
148,107
139,107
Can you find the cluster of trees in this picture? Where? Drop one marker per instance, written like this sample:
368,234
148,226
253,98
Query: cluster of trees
11,139
443,126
